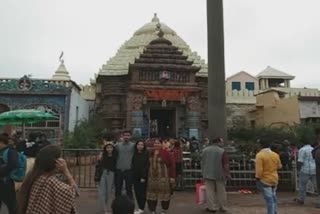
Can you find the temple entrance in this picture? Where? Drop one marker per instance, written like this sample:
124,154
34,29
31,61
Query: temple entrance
162,122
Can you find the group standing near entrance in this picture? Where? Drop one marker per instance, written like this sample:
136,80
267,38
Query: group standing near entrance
148,175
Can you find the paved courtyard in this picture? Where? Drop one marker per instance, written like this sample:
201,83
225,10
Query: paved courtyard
184,203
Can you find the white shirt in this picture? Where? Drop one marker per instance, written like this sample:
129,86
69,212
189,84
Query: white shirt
308,163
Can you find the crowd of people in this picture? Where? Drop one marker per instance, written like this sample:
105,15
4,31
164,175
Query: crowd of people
268,162
143,172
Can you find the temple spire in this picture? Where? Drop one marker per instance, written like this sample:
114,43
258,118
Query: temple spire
61,73
155,18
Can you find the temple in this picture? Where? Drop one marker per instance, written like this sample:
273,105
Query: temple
159,96
156,86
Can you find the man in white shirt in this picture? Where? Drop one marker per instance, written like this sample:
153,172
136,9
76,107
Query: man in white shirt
306,169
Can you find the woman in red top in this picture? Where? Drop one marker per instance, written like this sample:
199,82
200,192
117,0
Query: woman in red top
161,178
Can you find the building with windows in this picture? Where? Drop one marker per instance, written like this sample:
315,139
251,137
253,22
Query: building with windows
241,81
58,95
274,108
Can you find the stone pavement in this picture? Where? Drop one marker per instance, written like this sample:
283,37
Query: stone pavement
184,203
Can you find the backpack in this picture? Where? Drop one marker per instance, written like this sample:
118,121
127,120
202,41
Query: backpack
19,172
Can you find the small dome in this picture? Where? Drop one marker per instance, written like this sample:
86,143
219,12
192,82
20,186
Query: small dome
151,27
61,73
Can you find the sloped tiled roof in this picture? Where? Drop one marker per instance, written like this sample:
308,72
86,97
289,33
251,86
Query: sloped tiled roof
272,73
131,49
239,73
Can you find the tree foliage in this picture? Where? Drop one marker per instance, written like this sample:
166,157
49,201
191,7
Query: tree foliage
247,138
86,134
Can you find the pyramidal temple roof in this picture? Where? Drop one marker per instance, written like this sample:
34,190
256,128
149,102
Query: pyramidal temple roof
272,73
131,49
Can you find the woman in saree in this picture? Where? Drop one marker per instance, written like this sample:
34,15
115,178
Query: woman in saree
161,177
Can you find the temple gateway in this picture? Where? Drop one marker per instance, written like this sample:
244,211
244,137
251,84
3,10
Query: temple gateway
154,86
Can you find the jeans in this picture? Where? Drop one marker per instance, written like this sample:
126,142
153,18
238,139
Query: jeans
8,195
125,176
303,182
105,188
269,195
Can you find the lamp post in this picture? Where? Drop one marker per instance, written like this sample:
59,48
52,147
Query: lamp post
216,70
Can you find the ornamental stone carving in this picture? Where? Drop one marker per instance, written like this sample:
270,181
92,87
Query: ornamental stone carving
193,103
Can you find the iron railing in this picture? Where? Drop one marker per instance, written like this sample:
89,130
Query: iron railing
82,166
242,170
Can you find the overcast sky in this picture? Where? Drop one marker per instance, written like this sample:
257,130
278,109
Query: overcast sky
284,34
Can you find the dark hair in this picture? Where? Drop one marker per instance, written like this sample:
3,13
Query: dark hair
193,138
264,143
45,163
216,140
4,139
144,146
177,144
122,205
126,131
105,153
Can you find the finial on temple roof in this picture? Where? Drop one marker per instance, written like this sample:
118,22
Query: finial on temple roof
155,18
160,33
60,58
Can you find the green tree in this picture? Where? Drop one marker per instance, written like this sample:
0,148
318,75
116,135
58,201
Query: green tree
86,134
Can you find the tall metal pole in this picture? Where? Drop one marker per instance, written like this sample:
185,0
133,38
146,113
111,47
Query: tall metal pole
216,70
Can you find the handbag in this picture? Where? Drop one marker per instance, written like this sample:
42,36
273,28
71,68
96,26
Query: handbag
98,172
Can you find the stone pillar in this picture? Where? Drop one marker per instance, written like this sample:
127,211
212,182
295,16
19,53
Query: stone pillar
266,83
287,83
137,123
193,123
262,86
193,116
216,71
135,114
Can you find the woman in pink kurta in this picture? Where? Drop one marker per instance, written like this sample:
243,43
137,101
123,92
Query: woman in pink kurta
161,178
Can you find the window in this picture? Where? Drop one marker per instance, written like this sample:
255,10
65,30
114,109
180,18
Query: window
236,86
250,86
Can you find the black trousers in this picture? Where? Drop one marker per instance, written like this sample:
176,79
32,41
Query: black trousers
140,192
125,176
153,205
8,195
